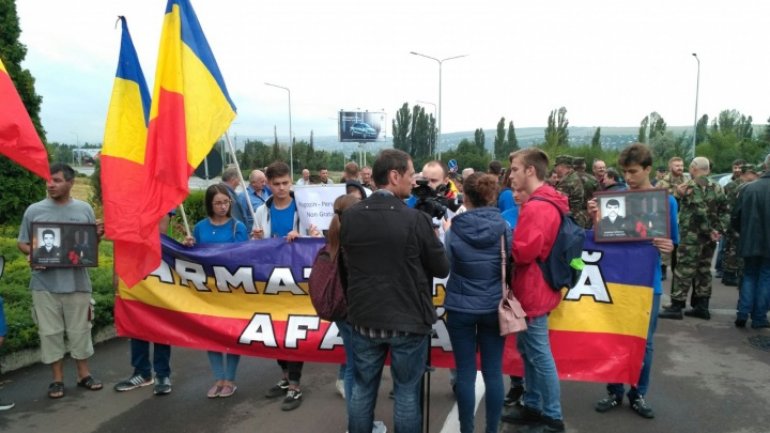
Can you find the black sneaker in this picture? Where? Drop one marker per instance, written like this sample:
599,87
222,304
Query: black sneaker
133,382
292,400
514,394
740,323
162,386
607,403
278,390
520,414
639,405
551,425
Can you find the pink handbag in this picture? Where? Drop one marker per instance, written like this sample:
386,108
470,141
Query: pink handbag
509,312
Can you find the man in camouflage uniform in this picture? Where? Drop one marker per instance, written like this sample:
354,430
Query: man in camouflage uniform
728,256
571,185
702,219
590,185
670,181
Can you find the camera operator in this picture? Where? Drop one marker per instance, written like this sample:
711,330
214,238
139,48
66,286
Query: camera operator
436,195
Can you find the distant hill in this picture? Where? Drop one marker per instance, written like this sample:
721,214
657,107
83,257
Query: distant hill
611,137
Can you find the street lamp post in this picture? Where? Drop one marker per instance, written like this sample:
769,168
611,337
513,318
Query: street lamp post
695,123
440,62
435,111
291,136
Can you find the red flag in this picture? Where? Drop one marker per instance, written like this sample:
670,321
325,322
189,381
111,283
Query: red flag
18,139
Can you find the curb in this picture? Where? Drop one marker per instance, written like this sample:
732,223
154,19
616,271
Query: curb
27,357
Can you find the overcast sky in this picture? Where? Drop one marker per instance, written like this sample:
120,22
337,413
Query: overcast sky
609,62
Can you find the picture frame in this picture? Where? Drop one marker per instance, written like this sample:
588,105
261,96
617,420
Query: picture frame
626,216
64,245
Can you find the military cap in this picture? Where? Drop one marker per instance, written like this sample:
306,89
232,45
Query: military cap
662,169
578,161
564,159
749,168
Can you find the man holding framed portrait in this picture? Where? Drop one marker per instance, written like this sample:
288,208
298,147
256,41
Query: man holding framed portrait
61,292
635,162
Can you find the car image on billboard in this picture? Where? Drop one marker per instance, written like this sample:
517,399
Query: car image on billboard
361,126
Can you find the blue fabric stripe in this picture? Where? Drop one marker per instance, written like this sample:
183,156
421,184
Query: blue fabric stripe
130,69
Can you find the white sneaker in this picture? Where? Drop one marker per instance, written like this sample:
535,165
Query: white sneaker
340,385
6,405
379,427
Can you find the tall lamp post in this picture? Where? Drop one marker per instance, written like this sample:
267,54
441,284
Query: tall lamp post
440,62
291,136
695,123
435,111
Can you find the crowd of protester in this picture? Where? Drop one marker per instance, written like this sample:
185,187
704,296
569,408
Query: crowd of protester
487,220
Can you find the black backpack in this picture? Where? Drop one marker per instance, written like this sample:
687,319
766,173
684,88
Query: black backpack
564,263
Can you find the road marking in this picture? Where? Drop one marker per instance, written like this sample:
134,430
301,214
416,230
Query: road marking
452,422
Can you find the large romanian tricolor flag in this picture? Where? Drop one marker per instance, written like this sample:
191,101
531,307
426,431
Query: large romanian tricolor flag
122,159
18,139
252,298
191,109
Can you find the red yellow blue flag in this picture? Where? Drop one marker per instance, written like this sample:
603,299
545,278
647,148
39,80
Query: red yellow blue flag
123,171
190,110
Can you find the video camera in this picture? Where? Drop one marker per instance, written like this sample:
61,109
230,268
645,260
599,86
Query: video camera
431,201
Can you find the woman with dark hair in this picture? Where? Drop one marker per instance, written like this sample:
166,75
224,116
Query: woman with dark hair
219,228
473,292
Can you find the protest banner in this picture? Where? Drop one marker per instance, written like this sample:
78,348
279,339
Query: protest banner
315,204
251,298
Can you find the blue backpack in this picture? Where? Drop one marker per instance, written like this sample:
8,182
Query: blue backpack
564,264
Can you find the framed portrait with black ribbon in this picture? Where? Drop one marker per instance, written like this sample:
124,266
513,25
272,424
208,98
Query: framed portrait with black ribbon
64,245
632,215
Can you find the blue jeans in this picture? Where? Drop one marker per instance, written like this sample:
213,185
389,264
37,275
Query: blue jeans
543,392
224,365
754,295
347,372
466,332
140,358
644,376
408,357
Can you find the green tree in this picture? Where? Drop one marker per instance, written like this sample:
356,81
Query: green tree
557,133
401,126
468,154
500,139
656,126
513,142
701,129
480,140
596,140
20,187
276,148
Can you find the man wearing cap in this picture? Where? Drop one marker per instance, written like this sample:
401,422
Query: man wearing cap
750,216
702,220
571,185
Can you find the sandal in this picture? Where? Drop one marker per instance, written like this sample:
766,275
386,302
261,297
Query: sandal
90,383
56,390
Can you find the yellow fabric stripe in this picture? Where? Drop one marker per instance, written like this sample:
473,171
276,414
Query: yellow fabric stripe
2,67
207,112
628,314
125,134
234,305
168,72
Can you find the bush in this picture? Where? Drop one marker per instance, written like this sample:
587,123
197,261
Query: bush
14,288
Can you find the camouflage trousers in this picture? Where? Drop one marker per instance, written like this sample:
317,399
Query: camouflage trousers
731,261
693,269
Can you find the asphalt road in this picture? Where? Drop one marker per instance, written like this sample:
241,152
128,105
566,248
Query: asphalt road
707,377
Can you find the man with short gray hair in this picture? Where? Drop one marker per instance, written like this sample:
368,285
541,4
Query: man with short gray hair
257,193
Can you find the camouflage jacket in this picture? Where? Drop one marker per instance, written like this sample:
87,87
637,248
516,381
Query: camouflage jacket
572,186
703,208
731,192
590,185
670,182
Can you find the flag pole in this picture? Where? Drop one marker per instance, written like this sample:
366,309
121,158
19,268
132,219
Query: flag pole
184,220
240,177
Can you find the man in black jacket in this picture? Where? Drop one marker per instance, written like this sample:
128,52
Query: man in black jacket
749,218
392,254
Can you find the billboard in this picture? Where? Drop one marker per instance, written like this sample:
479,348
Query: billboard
361,126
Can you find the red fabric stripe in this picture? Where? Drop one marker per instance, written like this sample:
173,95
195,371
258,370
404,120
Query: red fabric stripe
585,356
18,138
